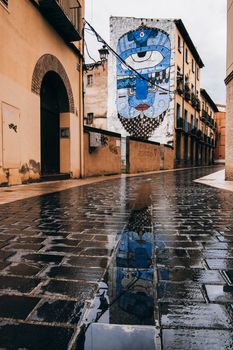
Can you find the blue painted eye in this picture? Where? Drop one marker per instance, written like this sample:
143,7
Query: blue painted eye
143,60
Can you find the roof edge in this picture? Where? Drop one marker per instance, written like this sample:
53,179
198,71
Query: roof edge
205,94
181,27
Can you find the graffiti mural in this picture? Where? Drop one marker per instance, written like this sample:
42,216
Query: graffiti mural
142,100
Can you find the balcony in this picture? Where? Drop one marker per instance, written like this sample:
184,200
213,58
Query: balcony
200,135
193,131
183,125
64,16
195,102
179,83
187,94
212,124
203,116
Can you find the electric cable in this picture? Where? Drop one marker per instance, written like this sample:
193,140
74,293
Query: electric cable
100,39
88,51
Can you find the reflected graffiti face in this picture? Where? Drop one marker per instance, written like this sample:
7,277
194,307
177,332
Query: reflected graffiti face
148,51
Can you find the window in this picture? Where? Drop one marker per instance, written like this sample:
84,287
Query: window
192,88
192,120
89,79
179,44
186,55
192,65
5,2
185,115
196,123
90,117
177,111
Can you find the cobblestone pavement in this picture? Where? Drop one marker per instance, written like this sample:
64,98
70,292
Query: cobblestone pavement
162,244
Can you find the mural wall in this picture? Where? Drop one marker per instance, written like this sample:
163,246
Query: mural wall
140,99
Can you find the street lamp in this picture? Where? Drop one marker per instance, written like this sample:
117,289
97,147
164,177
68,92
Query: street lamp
103,52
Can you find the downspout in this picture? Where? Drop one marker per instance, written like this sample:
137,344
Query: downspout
81,100
182,114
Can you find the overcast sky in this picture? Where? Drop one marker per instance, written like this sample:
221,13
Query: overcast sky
205,21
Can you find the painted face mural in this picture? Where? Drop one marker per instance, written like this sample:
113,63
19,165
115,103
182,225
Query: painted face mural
142,104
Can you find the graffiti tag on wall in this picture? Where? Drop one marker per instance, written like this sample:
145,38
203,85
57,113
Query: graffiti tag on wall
142,100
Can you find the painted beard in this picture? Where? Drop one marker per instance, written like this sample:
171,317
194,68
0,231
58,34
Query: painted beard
141,126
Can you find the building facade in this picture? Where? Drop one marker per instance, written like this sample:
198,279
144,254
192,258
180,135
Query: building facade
41,89
229,84
96,94
219,154
154,90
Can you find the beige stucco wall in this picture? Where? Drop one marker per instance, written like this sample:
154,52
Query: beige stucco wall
229,36
166,157
142,156
185,69
25,37
219,152
103,160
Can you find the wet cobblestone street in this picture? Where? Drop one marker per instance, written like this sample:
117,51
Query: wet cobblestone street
162,245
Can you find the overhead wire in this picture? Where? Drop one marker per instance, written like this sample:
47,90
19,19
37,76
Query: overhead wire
87,50
100,39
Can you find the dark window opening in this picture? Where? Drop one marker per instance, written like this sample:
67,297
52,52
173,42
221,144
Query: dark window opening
192,65
179,44
89,79
90,117
5,2
177,111
186,55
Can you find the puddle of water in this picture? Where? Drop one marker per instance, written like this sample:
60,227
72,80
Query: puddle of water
119,337
124,306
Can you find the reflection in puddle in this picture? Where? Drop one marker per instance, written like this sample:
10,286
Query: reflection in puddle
131,275
127,295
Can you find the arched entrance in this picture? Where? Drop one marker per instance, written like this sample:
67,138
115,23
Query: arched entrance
51,83
53,101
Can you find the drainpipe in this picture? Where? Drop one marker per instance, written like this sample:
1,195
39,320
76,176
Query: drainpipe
81,107
182,114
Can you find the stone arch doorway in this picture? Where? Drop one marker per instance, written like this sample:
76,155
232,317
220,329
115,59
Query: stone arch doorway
53,101
51,83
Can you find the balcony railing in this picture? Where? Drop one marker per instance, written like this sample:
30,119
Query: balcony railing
200,135
184,125
65,16
195,102
203,116
193,131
